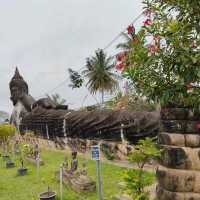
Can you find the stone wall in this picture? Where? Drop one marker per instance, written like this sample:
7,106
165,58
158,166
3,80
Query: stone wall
119,150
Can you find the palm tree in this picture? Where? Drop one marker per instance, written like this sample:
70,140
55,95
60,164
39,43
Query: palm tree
99,72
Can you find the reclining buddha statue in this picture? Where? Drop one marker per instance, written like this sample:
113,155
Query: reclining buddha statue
48,119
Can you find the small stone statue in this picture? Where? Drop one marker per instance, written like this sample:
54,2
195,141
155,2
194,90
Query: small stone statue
84,169
16,147
74,162
77,178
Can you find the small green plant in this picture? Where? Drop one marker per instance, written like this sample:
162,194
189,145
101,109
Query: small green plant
107,152
137,179
49,189
25,149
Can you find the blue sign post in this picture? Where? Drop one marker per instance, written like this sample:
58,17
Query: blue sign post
96,156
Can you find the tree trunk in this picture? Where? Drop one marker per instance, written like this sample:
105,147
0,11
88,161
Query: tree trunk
102,97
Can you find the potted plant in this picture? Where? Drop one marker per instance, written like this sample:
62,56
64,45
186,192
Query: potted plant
10,163
47,195
22,170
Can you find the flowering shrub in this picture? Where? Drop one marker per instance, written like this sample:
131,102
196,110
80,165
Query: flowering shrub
164,63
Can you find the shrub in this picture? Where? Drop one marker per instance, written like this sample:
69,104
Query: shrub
137,179
6,131
107,152
163,62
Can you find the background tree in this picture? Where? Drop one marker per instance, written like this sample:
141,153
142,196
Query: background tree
164,62
75,78
57,99
6,131
99,73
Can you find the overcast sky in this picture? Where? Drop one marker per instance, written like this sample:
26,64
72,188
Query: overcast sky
45,37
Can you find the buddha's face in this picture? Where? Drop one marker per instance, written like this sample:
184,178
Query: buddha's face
16,94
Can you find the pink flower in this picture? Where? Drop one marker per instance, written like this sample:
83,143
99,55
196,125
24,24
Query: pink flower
189,86
152,48
198,125
120,66
194,44
147,22
131,29
120,56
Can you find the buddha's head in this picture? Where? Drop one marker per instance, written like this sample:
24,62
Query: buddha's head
18,87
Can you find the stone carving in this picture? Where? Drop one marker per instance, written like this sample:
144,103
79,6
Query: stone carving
77,178
53,121
16,148
36,151
74,162
33,155
65,163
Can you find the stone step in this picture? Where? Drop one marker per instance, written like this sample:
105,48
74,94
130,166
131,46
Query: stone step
163,194
180,157
181,140
180,126
179,114
176,180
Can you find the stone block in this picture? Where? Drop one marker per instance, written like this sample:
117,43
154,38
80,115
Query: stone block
174,113
178,180
192,140
181,157
171,139
164,194
180,126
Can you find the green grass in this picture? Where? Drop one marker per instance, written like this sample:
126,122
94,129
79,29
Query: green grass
28,187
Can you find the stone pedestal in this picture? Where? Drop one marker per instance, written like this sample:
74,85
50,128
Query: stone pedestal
179,172
78,182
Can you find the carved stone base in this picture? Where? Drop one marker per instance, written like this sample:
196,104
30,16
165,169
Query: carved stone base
164,194
78,182
33,160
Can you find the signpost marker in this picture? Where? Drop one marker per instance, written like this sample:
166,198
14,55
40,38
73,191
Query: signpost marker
96,156
61,182
38,165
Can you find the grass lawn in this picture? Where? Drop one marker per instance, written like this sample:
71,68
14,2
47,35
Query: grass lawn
14,187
